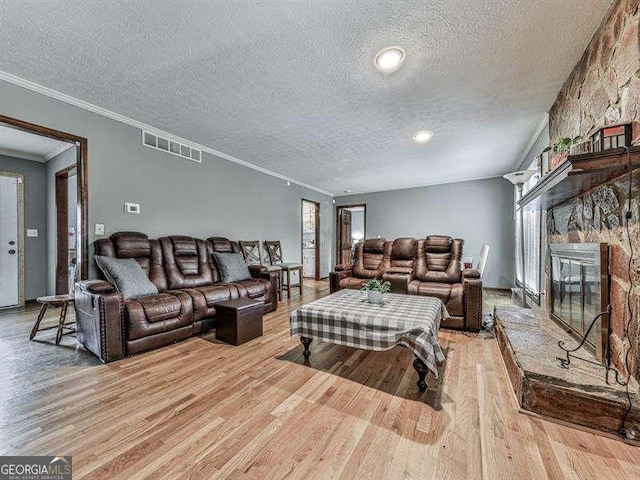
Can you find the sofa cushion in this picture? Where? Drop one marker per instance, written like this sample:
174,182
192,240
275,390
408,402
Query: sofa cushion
217,293
371,258
186,261
450,294
127,276
158,314
232,267
205,298
438,259
253,288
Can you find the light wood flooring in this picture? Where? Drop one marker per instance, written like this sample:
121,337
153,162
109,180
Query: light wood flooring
204,409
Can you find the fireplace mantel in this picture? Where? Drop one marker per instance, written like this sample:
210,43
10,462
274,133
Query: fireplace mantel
577,174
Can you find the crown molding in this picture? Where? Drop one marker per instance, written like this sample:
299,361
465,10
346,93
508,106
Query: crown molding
418,185
23,155
34,87
57,151
544,122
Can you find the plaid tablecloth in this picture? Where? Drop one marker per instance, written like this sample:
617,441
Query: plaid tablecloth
347,318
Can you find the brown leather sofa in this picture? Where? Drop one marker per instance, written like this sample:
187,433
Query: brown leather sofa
429,267
189,286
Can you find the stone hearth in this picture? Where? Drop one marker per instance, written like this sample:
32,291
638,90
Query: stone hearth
579,394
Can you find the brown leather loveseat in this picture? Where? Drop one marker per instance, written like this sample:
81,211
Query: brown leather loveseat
429,267
189,286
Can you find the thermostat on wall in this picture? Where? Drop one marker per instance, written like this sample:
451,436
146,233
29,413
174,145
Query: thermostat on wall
132,208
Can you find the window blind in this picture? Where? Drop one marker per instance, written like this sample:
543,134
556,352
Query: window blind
531,229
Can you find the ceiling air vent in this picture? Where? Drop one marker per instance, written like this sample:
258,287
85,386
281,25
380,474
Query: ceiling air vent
174,147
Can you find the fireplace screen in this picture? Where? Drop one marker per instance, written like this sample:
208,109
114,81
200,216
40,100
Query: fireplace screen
580,291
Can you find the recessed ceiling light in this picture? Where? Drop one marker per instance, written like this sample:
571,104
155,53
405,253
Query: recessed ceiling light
422,136
389,59
347,191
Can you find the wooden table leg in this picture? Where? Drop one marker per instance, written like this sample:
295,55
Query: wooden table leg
422,370
34,330
306,341
63,316
280,280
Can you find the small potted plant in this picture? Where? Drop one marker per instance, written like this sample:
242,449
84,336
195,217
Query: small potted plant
561,150
375,290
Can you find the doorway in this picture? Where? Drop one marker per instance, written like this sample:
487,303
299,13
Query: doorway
66,225
351,226
55,233
11,239
310,239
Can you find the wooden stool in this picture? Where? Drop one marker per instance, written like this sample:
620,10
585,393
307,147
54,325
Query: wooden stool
64,328
274,251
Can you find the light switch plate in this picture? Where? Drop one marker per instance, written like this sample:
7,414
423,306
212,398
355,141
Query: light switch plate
99,229
132,208
32,232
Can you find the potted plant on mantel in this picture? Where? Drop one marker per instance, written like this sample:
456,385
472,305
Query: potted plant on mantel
560,150
375,290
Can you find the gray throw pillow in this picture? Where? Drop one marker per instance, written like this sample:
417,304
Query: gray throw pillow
232,267
127,276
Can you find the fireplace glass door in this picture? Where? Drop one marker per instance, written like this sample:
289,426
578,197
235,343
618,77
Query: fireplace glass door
579,291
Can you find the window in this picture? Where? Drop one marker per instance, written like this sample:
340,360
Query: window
532,220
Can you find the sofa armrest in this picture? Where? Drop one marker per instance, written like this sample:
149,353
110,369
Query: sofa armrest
472,303
343,268
256,270
334,279
98,287
100,326
470,273
273,277
399,281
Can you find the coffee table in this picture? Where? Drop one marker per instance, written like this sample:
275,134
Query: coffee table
347,318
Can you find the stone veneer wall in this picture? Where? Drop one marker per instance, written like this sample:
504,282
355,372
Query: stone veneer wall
604,89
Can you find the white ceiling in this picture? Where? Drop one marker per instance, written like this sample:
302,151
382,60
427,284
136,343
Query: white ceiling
20,144
291,86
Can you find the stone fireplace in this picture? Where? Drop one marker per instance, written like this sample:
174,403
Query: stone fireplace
604,89
598,216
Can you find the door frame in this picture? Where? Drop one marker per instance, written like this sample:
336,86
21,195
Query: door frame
316,242
20,191
338,208
83,187
62,229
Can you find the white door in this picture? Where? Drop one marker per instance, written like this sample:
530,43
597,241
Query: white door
8,241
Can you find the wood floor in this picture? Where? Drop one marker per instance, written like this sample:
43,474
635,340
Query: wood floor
203,409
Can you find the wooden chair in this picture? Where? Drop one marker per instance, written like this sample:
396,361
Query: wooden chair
252,254
274,252
62,301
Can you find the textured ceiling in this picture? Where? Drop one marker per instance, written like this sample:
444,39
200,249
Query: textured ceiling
291,86
27,145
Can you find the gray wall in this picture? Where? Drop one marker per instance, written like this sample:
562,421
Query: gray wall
480,212
35,216
177,196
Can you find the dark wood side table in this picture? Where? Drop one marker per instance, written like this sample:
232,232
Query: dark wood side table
64,327
239,320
